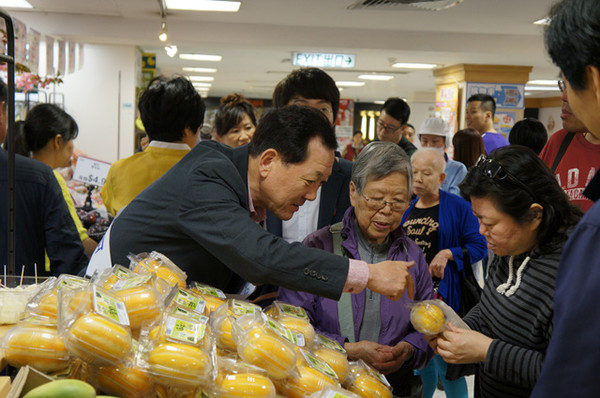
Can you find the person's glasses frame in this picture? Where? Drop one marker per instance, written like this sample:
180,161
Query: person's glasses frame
561,85
494,170
387,127
378,204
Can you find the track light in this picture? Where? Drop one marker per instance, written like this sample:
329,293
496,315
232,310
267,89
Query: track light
171,50
162,36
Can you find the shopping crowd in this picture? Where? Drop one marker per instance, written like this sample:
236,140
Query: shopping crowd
270,208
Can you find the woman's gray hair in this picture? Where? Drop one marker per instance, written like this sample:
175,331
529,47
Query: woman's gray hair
379,159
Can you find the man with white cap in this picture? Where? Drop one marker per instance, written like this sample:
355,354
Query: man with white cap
435,133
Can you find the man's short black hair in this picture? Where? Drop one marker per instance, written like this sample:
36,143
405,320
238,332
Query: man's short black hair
398,109
488,103
289,130
573,38
168,106
310,83
529,132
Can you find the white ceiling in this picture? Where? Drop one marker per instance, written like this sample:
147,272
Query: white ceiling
258,41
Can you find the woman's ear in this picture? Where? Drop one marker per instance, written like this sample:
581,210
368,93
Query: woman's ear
352,193
536,212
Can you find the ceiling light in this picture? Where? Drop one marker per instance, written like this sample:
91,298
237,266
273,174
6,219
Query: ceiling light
202,78
543,21
162,36
203,5
375,77
349,84
201,57
543,82
198,84
15,4
408,65
171,51
379,102
201,70
541,88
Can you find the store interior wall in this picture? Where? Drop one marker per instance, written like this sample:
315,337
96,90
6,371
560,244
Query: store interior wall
101,98
551,119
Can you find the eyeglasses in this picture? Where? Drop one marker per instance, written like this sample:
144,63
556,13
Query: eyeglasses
561,85
493,169
378,204
387,127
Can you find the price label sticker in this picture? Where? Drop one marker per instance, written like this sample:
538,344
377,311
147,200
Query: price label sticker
91,171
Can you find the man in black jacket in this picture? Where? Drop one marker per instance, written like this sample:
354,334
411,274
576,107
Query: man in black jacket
204,214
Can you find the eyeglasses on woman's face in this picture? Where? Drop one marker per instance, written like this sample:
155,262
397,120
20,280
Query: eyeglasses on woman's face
377,204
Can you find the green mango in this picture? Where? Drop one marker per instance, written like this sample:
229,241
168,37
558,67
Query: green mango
66,388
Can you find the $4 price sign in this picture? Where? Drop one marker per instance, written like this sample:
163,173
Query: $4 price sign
91,171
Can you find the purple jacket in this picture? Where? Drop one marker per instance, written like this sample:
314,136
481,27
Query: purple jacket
395,316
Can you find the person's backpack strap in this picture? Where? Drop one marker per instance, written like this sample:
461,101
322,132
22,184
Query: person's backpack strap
336,234
345,315
561,151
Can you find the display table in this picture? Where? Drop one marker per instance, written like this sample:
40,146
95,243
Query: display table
3,330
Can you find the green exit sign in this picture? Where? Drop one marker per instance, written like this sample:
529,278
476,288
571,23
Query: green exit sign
324,60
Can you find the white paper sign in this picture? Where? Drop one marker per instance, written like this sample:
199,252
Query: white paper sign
91,171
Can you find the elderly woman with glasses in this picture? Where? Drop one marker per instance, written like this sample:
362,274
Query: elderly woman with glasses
443,226
526,218
369,326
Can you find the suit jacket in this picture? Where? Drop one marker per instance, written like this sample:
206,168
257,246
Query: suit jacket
42,218
197,214
335,198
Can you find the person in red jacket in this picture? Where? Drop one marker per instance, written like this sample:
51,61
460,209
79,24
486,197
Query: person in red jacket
580,160
353,149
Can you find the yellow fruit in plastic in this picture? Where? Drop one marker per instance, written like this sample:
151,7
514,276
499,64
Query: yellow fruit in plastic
124,382
176,364
48,304
170,276
97,340
224,339
142,305
268,352
309,381
299,325
246,385
36,346
427,318
369,387
335,359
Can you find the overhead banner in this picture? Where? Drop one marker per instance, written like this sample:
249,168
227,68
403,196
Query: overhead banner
507,95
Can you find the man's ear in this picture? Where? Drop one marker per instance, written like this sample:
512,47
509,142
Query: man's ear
593,75
442,177
266,161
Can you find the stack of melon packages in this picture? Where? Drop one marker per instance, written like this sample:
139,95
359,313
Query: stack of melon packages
35,340
293,318
178,352
365,381
222,319
160,265
214,297
240,379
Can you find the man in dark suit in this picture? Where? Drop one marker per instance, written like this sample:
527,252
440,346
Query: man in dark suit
204,214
